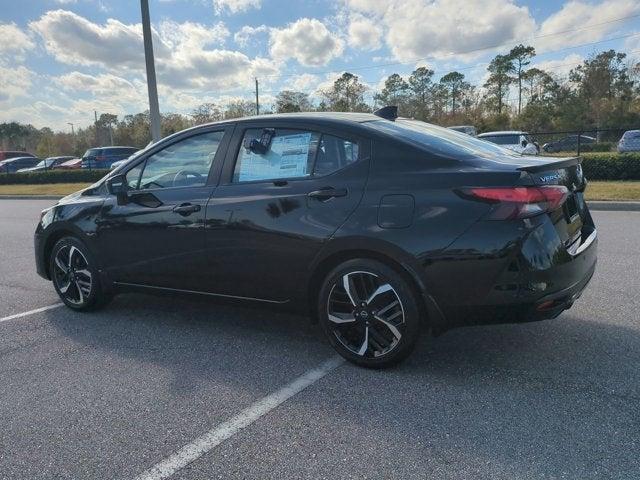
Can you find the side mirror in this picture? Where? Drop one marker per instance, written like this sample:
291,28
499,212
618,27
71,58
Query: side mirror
117,185
524,143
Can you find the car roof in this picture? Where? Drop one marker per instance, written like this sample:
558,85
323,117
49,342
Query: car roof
503,132
328,117
20,158
113,146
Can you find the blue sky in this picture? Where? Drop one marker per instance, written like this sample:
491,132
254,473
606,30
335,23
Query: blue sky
70,57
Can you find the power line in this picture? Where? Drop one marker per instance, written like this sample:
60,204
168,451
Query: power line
466,52
554,68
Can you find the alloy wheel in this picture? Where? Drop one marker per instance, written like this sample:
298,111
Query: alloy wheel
365,314
72,275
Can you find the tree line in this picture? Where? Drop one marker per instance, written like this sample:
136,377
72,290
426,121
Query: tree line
602,92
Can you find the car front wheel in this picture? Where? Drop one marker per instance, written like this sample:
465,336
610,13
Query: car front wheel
75,275
369,313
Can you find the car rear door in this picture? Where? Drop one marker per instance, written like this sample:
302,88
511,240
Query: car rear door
273,211
155,237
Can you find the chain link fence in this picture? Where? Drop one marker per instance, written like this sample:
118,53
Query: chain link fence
576,142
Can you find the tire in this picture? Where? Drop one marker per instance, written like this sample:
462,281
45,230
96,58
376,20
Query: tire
75,275
374,324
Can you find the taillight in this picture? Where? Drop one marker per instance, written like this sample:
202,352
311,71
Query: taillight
519,202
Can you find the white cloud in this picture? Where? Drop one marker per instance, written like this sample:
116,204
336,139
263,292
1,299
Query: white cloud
106,87
440,28
192,35
632,46
16,84
234,6
575,15
364,33
304,82
369,6
184,57
308,41
74,40
14,41
561,66
242,36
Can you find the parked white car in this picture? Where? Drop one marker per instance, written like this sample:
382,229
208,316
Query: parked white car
630,141
468,129
520,142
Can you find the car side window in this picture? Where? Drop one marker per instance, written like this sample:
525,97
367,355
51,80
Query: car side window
185,163
334,153
287,154
293,154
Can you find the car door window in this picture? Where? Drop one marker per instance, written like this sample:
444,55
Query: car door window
185,163
290,154
293,154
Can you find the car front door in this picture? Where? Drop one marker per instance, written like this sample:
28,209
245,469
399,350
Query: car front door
277,204
154,236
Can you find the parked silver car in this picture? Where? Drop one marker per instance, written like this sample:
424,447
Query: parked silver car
630,141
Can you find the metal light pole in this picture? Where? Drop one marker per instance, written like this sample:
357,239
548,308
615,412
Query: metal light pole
72,132
154,108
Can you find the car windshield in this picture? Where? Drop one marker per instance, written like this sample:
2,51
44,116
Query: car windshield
439,140
502,139
92,152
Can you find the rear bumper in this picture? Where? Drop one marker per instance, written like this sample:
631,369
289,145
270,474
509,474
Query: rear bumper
534,278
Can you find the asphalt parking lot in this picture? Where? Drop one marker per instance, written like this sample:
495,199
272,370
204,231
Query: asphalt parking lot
113,393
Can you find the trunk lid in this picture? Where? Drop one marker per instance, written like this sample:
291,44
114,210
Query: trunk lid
571,218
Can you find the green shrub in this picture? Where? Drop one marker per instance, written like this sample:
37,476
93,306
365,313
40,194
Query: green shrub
53,176
599,147
611,166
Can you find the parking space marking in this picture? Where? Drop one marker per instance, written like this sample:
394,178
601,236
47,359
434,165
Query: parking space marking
214,437
31,312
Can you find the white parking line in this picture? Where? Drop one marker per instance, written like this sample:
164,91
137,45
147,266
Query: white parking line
246,417
31,312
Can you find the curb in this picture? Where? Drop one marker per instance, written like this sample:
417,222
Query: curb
31,197
615,206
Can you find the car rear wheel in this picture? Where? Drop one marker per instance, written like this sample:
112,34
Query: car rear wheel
369,313
75,276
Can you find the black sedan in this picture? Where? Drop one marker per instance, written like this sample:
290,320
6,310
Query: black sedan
379,227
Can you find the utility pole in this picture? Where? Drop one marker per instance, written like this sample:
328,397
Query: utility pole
95,125
257,100
154,108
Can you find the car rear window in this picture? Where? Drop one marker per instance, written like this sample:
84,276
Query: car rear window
502,139
439,140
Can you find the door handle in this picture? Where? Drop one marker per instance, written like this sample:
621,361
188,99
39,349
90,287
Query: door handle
325,194
186,209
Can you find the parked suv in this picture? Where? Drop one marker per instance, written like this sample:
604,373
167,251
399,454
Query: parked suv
375,226
103,157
